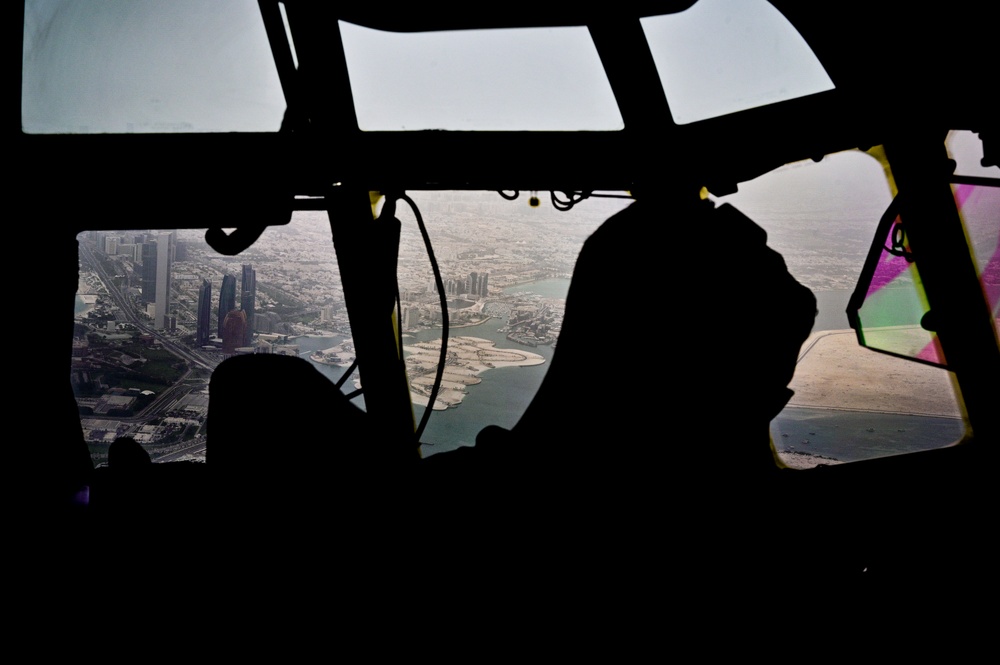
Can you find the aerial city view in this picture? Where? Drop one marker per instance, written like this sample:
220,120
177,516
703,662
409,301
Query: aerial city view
158,310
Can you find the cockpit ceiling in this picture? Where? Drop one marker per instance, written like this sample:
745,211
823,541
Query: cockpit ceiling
894,75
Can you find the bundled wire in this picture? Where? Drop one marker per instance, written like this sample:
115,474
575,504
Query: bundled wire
439,283
564,201
572,198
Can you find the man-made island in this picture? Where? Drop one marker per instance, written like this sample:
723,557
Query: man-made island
468,357
341,355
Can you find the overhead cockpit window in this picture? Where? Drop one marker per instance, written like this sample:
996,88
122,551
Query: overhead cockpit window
160,66
724,56
532,79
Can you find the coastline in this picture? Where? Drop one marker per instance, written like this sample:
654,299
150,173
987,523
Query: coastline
852,403
834,372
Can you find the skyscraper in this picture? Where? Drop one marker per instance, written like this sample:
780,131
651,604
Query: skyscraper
204,311
148,283
163,264
248,298
234,331
227,299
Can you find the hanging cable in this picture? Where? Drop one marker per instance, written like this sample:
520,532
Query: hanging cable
898,232
439,283
572,198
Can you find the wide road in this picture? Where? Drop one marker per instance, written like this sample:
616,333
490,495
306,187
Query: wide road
121,300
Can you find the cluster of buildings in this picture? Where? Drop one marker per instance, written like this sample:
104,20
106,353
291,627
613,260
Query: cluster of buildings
154,255
474,284
234,326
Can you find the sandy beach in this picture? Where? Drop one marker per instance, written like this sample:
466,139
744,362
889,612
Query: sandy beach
834,372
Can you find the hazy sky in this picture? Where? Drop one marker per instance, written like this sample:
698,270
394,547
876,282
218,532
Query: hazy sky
191,65
194,66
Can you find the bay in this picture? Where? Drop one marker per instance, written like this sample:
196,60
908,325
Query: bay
500,399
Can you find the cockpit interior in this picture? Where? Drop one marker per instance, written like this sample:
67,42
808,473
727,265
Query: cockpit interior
230,123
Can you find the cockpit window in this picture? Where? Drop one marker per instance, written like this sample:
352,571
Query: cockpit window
724,56
889,307
157,311
531,79
160,66
850,403
979,207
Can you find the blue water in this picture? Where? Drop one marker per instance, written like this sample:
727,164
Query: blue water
850,436
505,393
79,306
500,399
547,288
841,435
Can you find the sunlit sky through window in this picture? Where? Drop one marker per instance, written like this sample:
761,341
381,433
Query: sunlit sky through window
123,66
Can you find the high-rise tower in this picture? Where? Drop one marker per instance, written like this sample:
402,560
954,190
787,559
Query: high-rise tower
164,252
227,299
234,331
148,283
204,311
248,299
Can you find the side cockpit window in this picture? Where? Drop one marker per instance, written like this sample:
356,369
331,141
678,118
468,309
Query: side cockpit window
850,403
158,310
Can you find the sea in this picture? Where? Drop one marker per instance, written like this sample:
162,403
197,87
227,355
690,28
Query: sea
501,397
821,435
